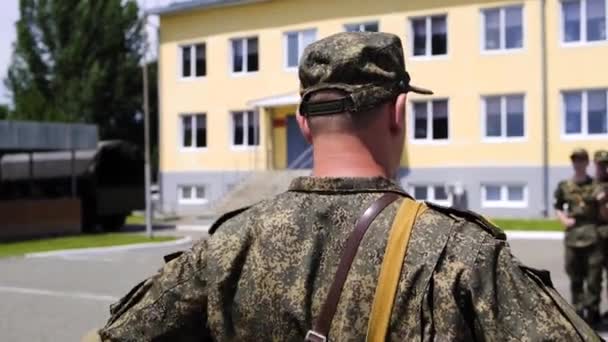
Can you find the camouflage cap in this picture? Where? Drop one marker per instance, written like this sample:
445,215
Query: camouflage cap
601,156
579,153
367,66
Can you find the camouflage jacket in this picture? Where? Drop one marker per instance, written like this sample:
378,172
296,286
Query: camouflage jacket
578,201
264,274
601,190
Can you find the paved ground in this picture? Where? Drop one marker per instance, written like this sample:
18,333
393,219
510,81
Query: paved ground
58,299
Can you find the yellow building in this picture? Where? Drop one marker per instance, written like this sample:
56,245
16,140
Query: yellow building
518,85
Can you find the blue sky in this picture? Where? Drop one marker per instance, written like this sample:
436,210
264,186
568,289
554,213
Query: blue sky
9,14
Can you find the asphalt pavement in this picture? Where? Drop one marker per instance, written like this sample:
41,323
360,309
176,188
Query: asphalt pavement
59,298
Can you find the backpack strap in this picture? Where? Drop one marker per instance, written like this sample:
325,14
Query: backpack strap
322,324
390,271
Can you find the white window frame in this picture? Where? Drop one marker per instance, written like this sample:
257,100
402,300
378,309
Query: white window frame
192,148
504,196
583,25
502,27
245,61
193,200
429,124
300,34
361,26
503,119
245,145
180,54
584,116
429,37
430,190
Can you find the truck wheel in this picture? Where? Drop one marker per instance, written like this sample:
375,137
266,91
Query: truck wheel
113,223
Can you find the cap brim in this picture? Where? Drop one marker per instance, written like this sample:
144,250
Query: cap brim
419,90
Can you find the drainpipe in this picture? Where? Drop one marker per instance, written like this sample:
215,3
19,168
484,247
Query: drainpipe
544,108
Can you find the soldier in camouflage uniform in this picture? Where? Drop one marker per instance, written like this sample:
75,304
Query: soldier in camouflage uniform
576,208
601,195
265,270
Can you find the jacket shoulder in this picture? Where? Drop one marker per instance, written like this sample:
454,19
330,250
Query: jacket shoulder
470,216
226,217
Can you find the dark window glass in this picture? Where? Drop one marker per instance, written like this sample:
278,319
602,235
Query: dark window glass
187,130
420,120
252,54
492,29
201,131
237,55
440,120
573,103
596,20
253,130
492,193
596,121
419,31
439,31
493,119
239,129
572,20
186,61
201,64
515,193
370,27
352,28
514,29
292,50
515,116
440,193
421,193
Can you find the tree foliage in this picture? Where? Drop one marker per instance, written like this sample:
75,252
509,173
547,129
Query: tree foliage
79,61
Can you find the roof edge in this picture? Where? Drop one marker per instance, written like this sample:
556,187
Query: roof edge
180,7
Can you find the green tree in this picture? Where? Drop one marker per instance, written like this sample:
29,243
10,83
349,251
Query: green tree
79,61
4,112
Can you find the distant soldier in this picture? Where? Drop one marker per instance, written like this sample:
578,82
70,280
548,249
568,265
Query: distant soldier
576,209
301,265
601,195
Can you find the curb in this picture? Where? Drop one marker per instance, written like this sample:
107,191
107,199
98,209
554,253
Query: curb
102,250
533,235
193,228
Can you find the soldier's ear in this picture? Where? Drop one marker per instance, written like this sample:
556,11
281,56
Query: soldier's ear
304,127
397,120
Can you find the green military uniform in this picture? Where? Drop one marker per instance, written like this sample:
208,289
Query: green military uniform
601,194
583,257
265,271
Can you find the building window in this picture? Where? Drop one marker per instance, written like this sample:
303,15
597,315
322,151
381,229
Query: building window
432,193
191,194
194,62
430,120
429,35
503,28
504,196
504,116
295,43
245,128
584,20
363,27
194,130
245,57
586,113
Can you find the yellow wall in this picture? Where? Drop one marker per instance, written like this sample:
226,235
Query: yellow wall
279,135
576,67
463,76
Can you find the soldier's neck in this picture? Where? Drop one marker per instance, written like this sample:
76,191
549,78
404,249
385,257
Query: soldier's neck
580,177
345,156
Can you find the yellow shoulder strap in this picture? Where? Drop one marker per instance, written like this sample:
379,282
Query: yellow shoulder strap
390,270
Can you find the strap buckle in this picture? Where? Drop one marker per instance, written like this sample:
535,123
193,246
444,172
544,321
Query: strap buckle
313,336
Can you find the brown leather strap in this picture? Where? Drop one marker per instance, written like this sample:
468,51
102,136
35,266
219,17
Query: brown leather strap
323,322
